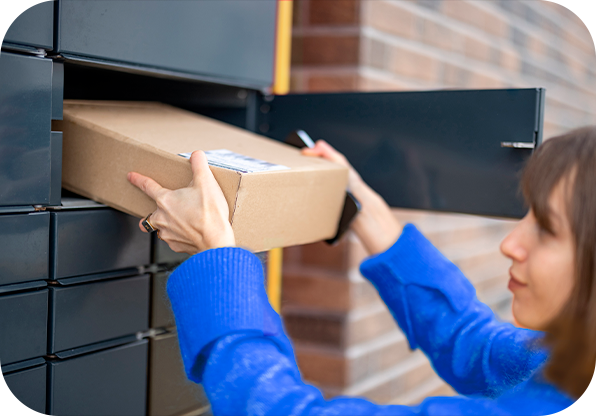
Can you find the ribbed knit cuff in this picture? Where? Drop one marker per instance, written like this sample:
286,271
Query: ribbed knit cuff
215,293
413,260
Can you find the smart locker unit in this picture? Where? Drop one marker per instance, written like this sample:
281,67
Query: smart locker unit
85,324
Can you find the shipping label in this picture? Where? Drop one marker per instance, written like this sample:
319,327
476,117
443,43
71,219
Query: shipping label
227,159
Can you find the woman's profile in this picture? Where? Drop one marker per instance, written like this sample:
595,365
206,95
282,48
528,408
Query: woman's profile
234,343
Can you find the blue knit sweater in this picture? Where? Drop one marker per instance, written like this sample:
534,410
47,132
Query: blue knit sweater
233,342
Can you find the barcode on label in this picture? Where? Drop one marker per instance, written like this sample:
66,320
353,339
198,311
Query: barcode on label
227,159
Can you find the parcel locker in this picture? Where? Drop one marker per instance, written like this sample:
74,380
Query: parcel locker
107,382
24,247
84,314
33,28
23,325
222,41
161,308
170,391
29,386
95,241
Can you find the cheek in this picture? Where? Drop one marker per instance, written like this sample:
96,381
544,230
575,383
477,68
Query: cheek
550,282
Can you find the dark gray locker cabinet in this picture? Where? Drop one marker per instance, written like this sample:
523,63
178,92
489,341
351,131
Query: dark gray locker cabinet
24,247
29,386
23,326
458,151
84,314
163,254
108,382
170,391
230,42
95,241
34,27
161,308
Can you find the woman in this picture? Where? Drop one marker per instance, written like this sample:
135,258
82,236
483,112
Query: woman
233,342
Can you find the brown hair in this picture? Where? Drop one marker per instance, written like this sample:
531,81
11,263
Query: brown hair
571,336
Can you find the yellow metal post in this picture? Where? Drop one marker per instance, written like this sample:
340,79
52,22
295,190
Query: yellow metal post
281,85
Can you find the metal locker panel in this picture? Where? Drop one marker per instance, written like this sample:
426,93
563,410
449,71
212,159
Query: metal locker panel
56,171
109,382
95,241
170,391
25,98
24,247
435,150
23,325
163,254
57,90
34,27
88,313
136,33
161,308
29,386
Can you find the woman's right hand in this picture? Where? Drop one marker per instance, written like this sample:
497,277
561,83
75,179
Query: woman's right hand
375,225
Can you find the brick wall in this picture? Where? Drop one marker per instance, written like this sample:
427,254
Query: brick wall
345,339
386,45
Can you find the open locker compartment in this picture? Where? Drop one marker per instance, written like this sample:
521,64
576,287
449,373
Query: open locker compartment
430,150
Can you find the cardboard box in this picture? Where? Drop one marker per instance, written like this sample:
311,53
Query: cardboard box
280,199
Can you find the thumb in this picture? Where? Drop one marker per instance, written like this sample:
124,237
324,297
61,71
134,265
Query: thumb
199,166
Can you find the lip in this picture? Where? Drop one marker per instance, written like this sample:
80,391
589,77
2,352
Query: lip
515,284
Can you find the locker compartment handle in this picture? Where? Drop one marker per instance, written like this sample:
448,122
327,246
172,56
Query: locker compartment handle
518,145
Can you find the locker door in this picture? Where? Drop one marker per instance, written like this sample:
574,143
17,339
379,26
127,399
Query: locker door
457,151
229,41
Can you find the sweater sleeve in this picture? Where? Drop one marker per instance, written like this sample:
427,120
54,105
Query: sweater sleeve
437,308
233,342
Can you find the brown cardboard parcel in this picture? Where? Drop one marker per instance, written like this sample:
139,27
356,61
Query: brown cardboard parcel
296,203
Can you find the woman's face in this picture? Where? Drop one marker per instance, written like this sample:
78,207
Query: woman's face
542,270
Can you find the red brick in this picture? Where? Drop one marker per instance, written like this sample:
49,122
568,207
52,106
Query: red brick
455,76
468,12
336,12
337,49
331,294
390,18
310,288
336,329
322,368
510,60
412,64
366,83
332,83
328,257
439,35
477,49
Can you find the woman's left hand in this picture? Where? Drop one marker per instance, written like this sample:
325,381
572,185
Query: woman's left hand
190,219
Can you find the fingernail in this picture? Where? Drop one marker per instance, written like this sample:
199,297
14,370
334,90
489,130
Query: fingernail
128,175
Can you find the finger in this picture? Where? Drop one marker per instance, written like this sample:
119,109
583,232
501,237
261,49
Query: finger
141,225
200,167
145,184
326,151
182,248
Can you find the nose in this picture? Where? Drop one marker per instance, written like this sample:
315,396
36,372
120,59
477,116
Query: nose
513,245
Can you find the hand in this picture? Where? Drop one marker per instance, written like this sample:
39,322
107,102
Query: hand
190,219
375,225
